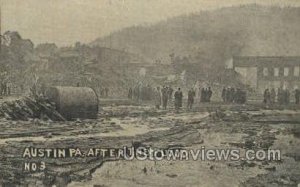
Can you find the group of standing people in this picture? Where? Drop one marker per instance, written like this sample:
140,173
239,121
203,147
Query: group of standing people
141,93
206,94
232,95
104,92
297,96
270,96
148,93
4,89
163,96
166,95
282,95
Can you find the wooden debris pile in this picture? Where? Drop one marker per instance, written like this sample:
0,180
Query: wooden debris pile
28,108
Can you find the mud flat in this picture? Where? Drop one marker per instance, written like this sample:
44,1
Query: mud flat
193,130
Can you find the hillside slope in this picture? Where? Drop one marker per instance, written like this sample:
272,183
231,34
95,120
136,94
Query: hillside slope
214,36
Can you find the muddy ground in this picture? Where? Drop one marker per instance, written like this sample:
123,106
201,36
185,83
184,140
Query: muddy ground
213,125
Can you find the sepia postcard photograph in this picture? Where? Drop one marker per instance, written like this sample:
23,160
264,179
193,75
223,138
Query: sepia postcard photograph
149,93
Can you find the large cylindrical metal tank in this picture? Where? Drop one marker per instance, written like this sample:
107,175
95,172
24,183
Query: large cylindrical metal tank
74,102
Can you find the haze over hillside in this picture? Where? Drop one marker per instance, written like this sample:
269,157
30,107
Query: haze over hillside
212,37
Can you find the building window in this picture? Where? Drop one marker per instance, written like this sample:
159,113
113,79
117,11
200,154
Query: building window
286,72
296,71
276,72
265,72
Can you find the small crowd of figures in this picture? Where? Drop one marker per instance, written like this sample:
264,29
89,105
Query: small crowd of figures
232,95
162,96
104,92
206,94
4,89
282,96
147,93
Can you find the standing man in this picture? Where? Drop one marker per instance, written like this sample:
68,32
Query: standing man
136,93
224,94
273,95
157,98
130,93
227,94
148,94
203,95
237,96
297,96
280,96
231,95
267,96
170,92
209,94
4,87
165,94
178,99
287,96
191,95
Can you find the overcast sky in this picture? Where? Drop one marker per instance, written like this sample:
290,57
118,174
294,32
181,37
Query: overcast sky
67,21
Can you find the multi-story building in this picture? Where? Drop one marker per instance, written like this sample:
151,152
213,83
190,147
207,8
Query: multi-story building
261,72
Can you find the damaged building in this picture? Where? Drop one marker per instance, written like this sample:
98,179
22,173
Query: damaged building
261,72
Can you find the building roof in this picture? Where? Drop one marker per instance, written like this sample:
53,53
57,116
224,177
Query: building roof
253,61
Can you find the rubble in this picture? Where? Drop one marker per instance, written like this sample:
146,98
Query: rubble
184,130
28,108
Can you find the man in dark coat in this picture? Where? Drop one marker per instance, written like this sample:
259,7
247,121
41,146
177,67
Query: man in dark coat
209,94
157,98
237,96
287,96
224,94
267,96
297,95
273,95
280,96
227,94
178,99
191,95
240,96
203,95
130,93
170,93
164,93
232,93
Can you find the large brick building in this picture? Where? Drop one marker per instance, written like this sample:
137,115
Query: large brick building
261,72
